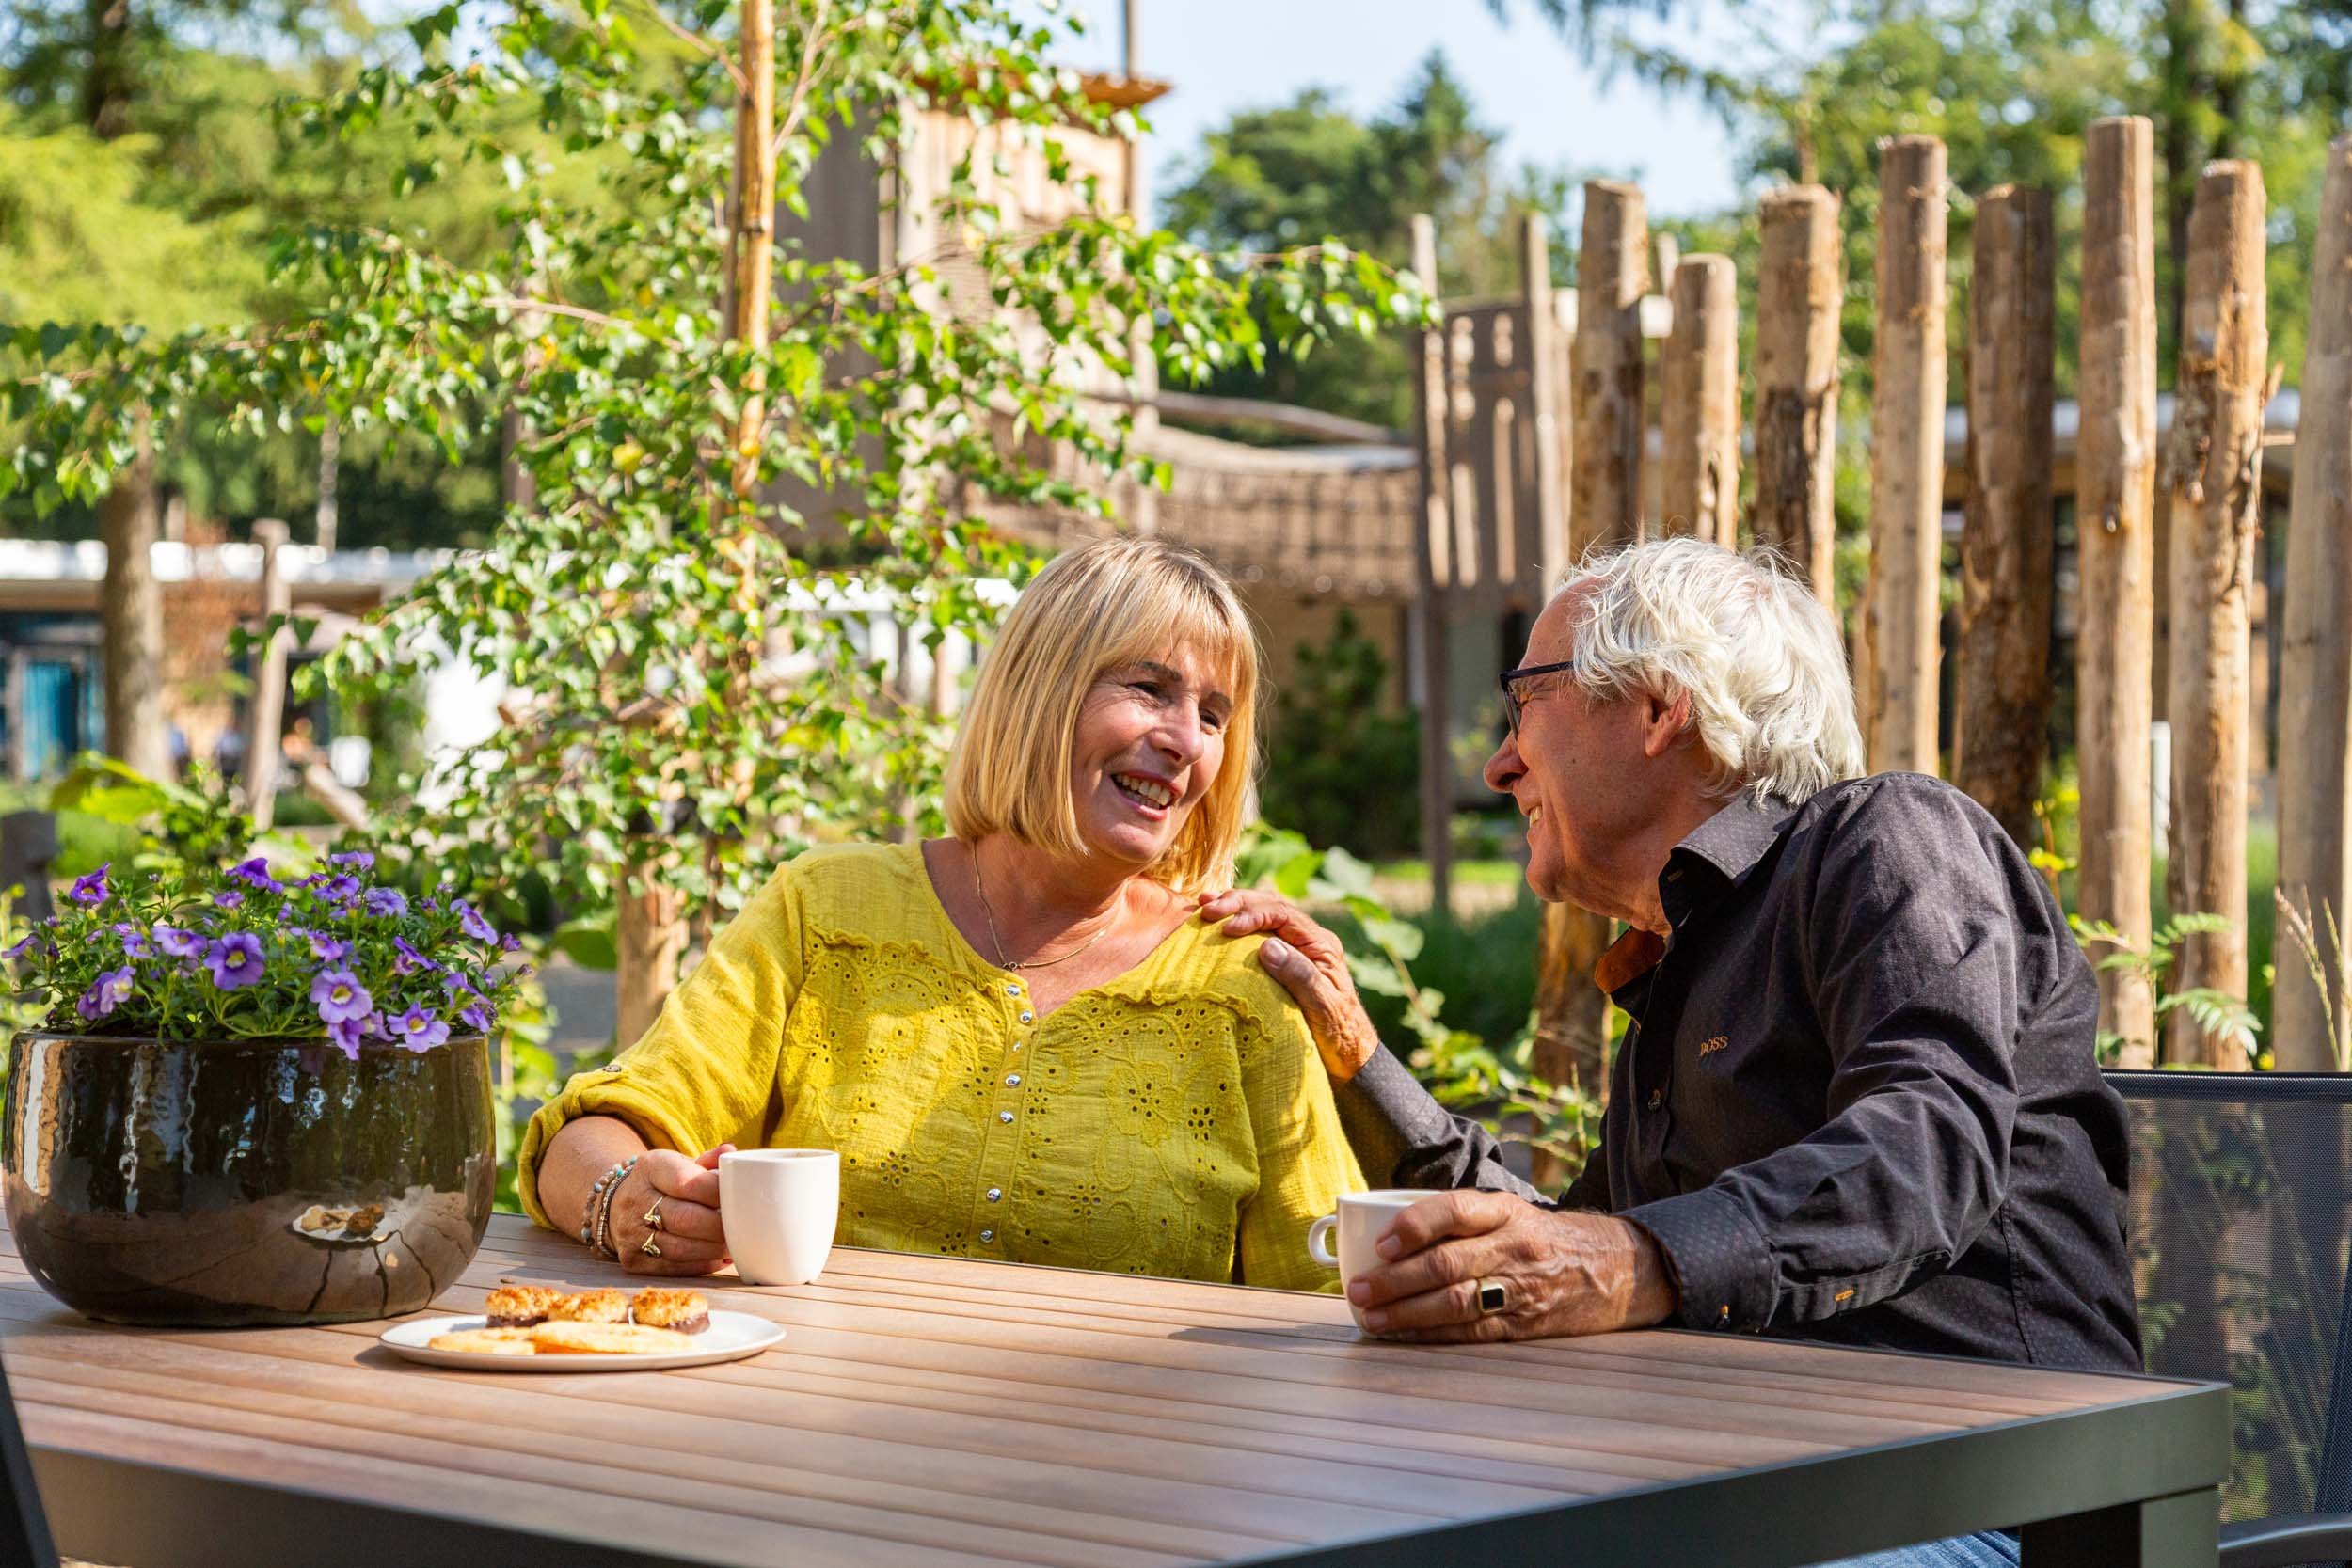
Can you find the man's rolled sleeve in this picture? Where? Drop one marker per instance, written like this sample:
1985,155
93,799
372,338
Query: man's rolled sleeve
1404,1138
1722,1265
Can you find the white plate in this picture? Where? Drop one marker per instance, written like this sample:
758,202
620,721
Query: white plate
730,1337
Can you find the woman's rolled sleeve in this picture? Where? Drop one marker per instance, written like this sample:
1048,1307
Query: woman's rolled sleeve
709,1066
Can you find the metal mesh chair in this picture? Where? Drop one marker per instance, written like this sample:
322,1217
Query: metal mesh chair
2240,1223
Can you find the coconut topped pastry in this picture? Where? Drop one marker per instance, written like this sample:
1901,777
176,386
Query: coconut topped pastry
685,1311
591,1307
519,1305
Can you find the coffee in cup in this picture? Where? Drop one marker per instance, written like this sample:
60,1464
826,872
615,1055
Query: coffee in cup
778,1207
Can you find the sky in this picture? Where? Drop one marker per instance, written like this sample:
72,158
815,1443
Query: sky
1226,54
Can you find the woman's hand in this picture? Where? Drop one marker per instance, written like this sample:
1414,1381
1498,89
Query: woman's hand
1312,966
689,1234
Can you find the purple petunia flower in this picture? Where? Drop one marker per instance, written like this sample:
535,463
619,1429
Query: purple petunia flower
327,949
91,889
358,859
173,942
470,922
346,1033
430,906
417,1029
510,943
476,1018
385,903
255,874
134,942
229,898
235,960
23,945
338,890
409,961
340,997
112,989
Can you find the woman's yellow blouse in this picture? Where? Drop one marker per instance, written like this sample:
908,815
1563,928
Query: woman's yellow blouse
1173,1121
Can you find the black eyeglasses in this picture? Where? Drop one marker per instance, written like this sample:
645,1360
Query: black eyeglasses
1524,673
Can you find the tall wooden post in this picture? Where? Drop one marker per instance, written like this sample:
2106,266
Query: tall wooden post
2116,496
1545,418
2001,736
326,517
1571,1014
1799,291
1905,600
266,718
1431,396
1699,414
1613,274
131,614
2213,473
2309,1029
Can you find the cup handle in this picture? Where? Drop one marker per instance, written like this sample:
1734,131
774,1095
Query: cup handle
1316,1246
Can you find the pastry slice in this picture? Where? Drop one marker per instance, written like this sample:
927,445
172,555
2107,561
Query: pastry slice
519,1305
685,1311
591,1306
583,1338
485,1341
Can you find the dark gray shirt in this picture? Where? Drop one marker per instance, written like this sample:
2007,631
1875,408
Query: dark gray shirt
1859,1097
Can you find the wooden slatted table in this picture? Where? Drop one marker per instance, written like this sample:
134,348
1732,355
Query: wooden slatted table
945,1412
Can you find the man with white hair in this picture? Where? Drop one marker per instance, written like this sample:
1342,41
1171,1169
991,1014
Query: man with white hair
1857,1099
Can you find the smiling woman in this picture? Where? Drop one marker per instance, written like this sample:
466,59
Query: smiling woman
1020,1039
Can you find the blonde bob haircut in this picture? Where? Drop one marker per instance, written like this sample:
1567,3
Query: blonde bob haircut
1112,603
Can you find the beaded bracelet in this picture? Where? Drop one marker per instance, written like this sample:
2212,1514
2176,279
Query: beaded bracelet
596,1224
604,1215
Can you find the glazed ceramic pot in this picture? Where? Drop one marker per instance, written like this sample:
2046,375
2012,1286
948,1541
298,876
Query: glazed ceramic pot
246,1181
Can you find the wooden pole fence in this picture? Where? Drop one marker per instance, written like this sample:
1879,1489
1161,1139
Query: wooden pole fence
1905,601
1431,394
2309,1026
1699,411
1799,289
2001,733
2116,498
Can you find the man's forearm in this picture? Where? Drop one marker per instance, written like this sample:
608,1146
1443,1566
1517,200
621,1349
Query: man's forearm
1404,1138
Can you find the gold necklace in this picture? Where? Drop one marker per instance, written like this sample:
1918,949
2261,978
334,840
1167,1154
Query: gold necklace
999,943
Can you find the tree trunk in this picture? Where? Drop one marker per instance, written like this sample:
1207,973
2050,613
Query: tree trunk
109,80
2002,730
1905,599
1613,274
2308,1031
1431,396
1699,416
1799,292
131,616
2116,496
2213,473
266,718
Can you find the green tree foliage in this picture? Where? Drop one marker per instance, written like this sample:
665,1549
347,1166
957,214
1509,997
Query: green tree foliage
694,692
1340,767
1308,169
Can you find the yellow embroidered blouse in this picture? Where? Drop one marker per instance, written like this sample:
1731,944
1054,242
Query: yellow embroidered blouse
1172,1121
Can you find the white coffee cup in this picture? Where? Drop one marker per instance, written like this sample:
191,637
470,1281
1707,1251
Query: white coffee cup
779,1207
1364,1217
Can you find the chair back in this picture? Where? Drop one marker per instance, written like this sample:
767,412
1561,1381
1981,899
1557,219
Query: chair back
24,1540
2239,1250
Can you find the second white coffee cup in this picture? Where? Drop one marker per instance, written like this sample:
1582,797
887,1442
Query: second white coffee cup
1362,1220
779,1207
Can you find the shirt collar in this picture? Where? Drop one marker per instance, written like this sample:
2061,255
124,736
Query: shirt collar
1738,836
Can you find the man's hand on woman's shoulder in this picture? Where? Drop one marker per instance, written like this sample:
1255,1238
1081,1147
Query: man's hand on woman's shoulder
1312,966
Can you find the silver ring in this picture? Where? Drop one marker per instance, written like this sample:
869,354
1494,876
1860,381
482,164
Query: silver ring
1493,1297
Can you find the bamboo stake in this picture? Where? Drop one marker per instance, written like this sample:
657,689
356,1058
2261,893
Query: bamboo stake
1699,416
2001,733
1431,396
2213,472
266,716
2309,1029
1799,292
1613,274
2116,496
1904,600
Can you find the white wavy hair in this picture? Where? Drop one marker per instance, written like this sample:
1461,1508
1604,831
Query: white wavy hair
1757,654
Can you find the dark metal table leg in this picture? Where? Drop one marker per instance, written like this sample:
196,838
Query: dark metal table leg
2180,1531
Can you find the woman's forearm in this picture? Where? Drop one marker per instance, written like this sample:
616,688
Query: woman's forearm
573,1161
